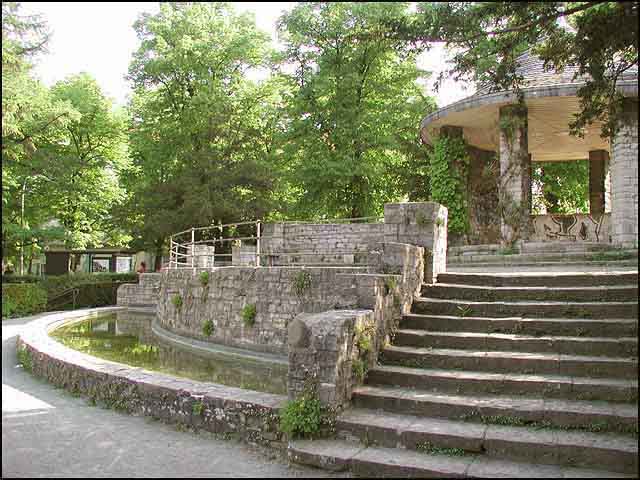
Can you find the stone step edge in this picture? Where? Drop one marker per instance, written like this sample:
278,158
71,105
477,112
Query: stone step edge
508,275
571,253
527,303
559,357
341,455
525,377
457,428
427,316
514,337
412,431
481,403
542,289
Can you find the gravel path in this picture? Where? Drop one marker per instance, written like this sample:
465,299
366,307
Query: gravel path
47,432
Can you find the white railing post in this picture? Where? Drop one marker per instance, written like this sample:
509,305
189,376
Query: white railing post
170,251
193,249
258,243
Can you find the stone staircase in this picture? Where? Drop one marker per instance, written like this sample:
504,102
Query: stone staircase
558,255
527,375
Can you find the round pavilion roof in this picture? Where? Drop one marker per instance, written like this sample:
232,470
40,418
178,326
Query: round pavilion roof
552,101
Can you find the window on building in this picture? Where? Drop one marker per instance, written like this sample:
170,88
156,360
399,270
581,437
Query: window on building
124,264
100,264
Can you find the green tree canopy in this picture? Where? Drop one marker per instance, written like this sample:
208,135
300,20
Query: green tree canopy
352,110
62,150
201,132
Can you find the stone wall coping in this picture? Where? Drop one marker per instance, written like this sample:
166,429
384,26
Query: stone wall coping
36,337
213,348
374,275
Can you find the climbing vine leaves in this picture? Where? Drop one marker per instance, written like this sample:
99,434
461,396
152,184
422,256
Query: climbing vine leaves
449,164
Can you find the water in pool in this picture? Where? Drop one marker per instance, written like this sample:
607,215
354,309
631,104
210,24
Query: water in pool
127,338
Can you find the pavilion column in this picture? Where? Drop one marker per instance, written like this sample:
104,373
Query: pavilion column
624,178
598,160
515,174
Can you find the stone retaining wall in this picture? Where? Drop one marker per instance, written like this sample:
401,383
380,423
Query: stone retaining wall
271,290
422,224
319,243
247,415
334,349
141,294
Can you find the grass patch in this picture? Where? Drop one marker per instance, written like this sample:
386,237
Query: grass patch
428,447
604,256
596,427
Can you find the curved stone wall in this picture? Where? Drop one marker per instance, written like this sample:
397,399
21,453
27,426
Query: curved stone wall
248,415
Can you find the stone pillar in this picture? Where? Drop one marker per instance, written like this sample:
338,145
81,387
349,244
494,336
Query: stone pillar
597,163
515,179
624,178
423,224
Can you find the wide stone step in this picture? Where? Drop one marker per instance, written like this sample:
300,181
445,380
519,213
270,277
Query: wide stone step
515,362
605,416
592,279
571,448
617,257
624,327
380,462
568,345
437,306
617,293
531,247
478,382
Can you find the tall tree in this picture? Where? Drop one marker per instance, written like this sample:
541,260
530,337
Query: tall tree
88,164
352,109
30,118
201,131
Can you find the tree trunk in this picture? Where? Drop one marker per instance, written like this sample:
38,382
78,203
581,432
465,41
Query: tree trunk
158,261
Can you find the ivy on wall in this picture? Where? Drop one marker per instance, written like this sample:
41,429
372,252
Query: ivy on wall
449,163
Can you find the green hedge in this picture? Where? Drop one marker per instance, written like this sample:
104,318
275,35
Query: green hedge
92,290
21,279
22,299
56,284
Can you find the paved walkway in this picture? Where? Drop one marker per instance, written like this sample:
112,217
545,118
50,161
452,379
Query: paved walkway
47,432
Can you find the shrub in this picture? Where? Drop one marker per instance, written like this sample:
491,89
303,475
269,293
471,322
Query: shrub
359,369
24,357
302,417
204,278
23,299
208,328
301,283
177,300
249,315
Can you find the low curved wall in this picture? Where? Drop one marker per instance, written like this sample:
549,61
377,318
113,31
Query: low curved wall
248,415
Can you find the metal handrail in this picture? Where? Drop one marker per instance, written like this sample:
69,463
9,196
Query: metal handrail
178,259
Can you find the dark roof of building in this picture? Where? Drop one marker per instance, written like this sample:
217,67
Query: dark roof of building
92,250
531,68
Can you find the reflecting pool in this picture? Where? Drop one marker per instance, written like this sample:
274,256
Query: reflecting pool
127,337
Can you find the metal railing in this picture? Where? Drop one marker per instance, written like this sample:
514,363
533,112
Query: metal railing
208,247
